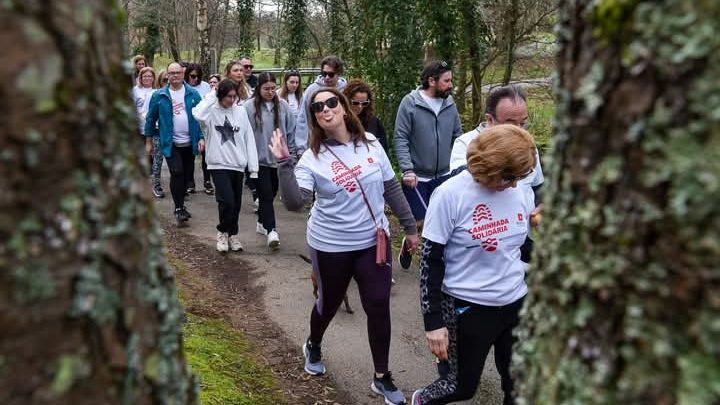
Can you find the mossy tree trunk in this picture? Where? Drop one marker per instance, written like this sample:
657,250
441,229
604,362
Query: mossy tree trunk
624,301
88,308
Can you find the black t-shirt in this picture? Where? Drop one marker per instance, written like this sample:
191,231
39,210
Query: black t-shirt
251,81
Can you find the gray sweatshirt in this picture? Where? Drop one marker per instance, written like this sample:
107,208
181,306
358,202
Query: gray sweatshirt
263,135
229,140
423,140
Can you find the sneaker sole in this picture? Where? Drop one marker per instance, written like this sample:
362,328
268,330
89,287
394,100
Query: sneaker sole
237,250
387,401
221,250
274,245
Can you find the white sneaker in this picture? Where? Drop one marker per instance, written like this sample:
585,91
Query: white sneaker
256,202
222,242
235,244
273,240
261,229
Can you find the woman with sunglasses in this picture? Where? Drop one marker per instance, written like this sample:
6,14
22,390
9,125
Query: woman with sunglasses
194,77
361,102
230,148
352,179
472,278
267,112
291,91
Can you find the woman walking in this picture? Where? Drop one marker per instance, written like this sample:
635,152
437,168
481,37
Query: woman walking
352,178
361,102
291,91
472,278
230,150
142,94
267,112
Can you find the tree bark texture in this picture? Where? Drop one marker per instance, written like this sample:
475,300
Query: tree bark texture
624,300
88,308
203,34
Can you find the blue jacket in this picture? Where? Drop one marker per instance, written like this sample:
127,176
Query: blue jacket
160,111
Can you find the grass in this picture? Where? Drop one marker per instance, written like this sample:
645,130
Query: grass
222,357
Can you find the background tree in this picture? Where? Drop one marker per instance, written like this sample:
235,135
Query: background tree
245,34
296,32
203,34
624,303
88,307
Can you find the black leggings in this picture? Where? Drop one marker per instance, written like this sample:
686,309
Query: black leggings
333,272
181,164
472,330
267,188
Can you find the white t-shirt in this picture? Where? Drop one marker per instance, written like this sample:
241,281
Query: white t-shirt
203,88
293,103
181,126
339,219
483,231
434,102
141,96
458,157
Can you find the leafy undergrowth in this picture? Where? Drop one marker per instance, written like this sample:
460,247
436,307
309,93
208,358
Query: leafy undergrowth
221,357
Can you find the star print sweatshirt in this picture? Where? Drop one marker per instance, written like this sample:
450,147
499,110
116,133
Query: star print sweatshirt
229,139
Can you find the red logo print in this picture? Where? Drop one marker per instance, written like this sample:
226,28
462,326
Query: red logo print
343,177
520,216
482,213
370,160
178,107
490,244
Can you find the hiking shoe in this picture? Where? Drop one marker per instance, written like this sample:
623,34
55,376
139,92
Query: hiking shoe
384,386
158,192
190,190
416,398
259,228
404,257
313,359
273,240
222,242
209,190
235,244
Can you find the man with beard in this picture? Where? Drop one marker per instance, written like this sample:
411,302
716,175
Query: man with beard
426,126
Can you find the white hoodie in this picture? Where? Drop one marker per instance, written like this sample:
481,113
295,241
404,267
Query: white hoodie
229,139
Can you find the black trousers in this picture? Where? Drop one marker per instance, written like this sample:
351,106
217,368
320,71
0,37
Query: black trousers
473,329
267,188
228,194
181,164
206,172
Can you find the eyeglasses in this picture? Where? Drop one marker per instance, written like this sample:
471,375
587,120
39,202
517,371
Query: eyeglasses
319,106
328,74
362,103
179,72
509,179
248,66
193,76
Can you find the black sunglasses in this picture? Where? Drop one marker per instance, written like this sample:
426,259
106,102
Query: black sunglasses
193,76
319,106
248,66
362,103
328,74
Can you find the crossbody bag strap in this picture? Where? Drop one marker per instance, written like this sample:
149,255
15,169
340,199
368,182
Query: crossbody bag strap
362,190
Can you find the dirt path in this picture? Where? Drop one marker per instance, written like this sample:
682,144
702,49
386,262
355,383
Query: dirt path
277,284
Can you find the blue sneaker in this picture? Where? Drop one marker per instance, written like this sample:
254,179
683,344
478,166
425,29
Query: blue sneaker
313,359
384,386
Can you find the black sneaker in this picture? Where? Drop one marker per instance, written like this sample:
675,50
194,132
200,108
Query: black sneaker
158,192
386,387
181,216
404,257
209,190
190,190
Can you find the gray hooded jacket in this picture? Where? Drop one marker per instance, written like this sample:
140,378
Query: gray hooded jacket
423,140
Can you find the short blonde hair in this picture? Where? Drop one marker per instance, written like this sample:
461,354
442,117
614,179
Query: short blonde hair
501,150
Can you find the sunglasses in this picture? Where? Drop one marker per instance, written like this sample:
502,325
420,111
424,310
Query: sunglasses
193,76
509,179
362,103
319,106
248,66
328,74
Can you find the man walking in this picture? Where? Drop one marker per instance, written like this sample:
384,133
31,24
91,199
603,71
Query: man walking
170,116
250,78
331,67
426,126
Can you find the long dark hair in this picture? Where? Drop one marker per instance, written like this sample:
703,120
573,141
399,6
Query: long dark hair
359,86
352,122
263,78
194,67
284,89
224,87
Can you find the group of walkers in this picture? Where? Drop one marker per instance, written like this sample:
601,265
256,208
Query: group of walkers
470,196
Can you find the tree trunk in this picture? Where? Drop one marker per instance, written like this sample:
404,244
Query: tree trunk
624,301
511,39
88,308
203,34
223,31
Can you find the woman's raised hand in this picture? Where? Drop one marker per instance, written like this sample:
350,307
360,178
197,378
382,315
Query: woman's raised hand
278,146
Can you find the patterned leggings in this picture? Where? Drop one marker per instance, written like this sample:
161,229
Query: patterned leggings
472,330
157,160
